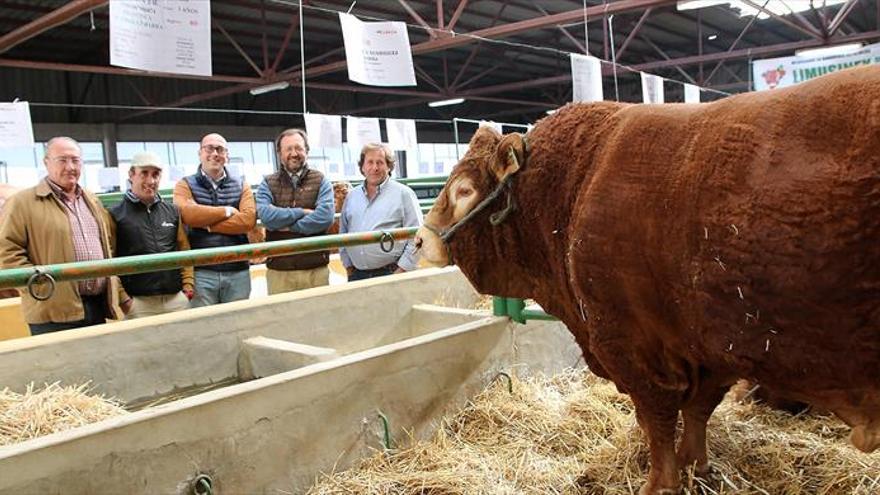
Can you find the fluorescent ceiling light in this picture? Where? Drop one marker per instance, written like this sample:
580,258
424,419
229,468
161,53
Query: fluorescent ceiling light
270,87
829,50
443,103
778,7
712,37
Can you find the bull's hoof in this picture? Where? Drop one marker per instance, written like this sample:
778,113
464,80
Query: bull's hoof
865,438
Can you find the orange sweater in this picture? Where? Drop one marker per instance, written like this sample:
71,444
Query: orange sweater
214,218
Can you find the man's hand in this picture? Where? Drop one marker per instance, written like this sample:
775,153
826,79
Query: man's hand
189,293
399,270
308,211
349,270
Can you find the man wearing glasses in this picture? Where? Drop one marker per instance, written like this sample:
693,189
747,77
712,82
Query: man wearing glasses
294,202
218,210
57,221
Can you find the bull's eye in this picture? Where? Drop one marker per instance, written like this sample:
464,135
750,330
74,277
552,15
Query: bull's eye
463,192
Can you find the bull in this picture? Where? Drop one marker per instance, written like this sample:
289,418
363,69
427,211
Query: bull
688,246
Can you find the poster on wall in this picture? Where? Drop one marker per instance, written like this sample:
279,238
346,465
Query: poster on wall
652,88
586,78
168,36
361,130
324,130
401,133
15,125
377,53
780,72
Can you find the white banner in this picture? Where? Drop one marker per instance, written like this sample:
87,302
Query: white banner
324,130
652,88
586,78
362,130
401,133
15,125
780,72
163,36
377,53
691,93
494,125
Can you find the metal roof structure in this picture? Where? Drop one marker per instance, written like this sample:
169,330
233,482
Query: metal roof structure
508,59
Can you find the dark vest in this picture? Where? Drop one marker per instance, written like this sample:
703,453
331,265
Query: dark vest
303,196
142,229
228,193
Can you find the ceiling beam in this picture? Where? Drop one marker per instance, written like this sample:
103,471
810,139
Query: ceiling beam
44,23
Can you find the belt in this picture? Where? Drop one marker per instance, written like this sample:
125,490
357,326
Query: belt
388,267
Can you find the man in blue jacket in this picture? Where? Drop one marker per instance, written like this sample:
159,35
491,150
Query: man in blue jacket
296,201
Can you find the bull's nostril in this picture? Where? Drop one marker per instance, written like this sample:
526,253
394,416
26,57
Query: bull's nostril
418,242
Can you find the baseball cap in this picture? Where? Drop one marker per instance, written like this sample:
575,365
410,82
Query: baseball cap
147,159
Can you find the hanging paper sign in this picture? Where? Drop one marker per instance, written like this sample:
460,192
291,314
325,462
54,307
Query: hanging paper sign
168,36
324,130
652,88
586,78
15,125
780,72
494,125
377,53
691,93
361,131
401,133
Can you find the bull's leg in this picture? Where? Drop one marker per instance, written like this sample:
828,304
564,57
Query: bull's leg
695,414
658,420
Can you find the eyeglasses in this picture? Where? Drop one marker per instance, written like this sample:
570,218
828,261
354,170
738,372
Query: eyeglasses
209,149
62,160
297,149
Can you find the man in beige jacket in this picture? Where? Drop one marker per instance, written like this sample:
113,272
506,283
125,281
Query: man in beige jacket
57,221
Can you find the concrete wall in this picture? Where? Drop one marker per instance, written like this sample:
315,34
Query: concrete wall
398,354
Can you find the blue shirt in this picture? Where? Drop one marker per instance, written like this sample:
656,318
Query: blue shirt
296,219
394,206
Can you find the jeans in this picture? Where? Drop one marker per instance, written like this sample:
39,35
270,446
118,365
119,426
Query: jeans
213,287
378,272
95,308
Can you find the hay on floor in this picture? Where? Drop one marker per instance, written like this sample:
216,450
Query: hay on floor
53,408
574,434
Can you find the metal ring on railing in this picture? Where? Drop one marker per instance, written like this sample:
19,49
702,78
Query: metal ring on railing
386,236
203,485
38,278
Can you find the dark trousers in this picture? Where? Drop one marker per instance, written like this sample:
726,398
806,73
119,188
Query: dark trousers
378,272
96,313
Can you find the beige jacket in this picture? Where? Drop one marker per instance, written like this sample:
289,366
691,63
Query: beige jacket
34,230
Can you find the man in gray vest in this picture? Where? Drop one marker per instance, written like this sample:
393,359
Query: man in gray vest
218,211
296,201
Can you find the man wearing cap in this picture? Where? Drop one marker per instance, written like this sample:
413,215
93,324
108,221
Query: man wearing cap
294,202
144,223
57,221
218,210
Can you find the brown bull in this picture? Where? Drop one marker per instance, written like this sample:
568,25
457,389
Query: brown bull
687,246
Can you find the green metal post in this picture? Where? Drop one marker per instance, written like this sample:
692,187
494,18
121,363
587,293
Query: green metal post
499,306
515,309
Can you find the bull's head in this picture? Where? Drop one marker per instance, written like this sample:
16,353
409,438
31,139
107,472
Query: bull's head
473,185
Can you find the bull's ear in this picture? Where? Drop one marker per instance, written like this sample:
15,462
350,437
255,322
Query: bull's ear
509,155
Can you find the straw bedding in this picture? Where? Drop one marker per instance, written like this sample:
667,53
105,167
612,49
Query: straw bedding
53,408
574,434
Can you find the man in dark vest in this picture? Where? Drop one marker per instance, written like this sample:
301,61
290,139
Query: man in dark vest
143,223
296,201
218,211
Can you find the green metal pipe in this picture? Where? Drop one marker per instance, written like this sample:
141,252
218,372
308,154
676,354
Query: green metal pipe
18,277
499,306
515,309
534,314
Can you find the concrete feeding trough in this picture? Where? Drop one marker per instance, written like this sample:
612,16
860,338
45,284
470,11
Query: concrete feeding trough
263,395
